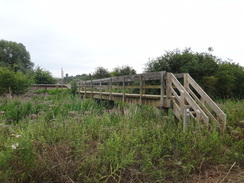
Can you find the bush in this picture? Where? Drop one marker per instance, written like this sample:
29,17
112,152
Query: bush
16,82
43,77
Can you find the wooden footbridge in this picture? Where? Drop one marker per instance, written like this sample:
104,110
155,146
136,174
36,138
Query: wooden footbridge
161,89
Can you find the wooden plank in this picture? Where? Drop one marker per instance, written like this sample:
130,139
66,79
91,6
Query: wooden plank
137,86
162,87
110,89
85,89
141,88
189,99
176,110
205,96
123,89
154,97
204,108
100,88
135,77
175,94
168,86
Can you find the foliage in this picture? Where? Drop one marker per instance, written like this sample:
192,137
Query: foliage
15,56
16,82
77,78
74,88
219,78
186,61
42,76
123,70
230,77
63,138
101,72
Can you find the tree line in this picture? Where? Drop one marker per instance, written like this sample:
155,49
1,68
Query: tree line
17,71
219,78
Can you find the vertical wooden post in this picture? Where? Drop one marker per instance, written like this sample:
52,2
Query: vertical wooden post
100,89
182,102
123,99
110,89
85,90
186,118
168,89
162,88
141,88
169,85
186,81
91,86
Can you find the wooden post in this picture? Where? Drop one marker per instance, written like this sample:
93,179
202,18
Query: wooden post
186,81
91,87
141,88
162,87
85,90
110,89
100,89
123,99
182,102
168,90
186,118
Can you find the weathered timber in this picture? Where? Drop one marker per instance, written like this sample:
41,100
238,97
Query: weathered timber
171,94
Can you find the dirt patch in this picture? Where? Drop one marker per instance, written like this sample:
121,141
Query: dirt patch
220,174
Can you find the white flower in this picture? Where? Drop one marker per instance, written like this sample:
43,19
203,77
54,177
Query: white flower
17,136
14,146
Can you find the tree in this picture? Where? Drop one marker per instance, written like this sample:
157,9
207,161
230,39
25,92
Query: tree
230,80
42,76
124,70
17,83
15,56
101,72
197,65
218,78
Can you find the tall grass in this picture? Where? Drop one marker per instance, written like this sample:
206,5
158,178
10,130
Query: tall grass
63,138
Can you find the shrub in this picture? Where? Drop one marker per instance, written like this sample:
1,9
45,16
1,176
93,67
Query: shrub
16,82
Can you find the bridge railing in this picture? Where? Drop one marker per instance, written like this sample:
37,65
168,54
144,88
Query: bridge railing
205,102
191,97
185,97
129,85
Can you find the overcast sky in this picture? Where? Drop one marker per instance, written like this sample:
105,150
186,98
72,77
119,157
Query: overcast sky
81,35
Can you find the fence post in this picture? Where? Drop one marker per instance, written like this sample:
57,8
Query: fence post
123,99
186,118
91,87
168,90
110,89
162,88
141,88
100,89
85,90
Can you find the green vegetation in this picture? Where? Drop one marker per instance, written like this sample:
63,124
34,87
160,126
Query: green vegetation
42,76
17,83
122,71
62,138
222,79
15,56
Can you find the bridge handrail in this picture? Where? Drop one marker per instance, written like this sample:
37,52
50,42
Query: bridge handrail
220,118
127,78
183,99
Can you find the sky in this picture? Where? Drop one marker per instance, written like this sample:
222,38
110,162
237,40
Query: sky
81,35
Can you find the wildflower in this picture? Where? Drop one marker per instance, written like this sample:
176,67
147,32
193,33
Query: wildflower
17,136
14,146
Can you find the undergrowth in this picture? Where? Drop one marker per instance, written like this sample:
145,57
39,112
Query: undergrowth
63,138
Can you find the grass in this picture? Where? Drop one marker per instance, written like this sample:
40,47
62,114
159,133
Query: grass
62,138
